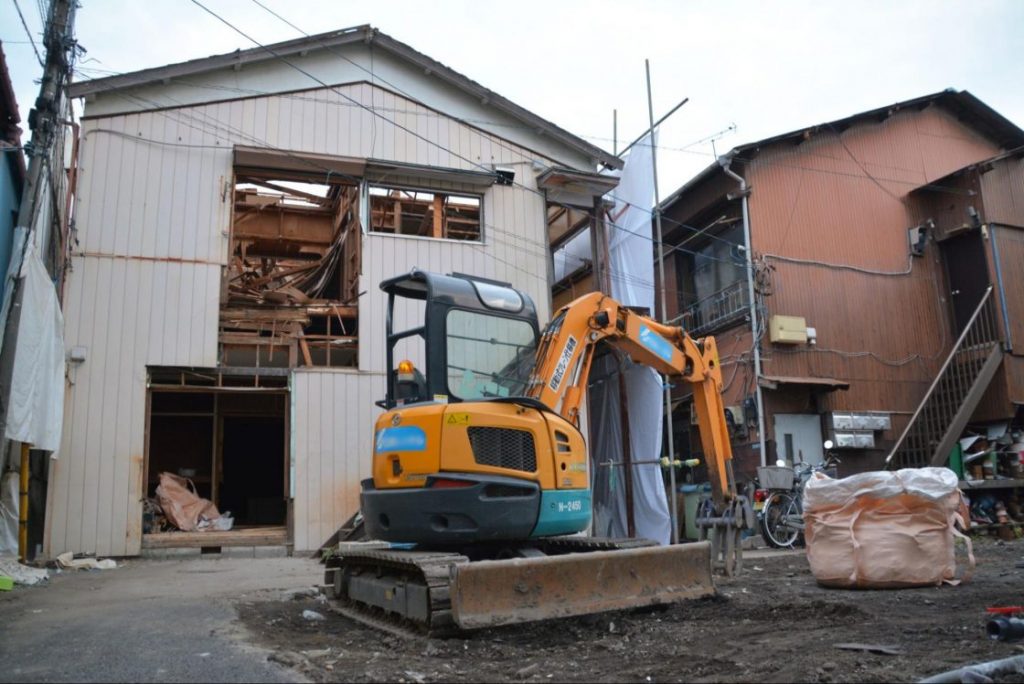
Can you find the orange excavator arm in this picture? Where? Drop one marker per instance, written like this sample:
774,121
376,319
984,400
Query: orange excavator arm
566,352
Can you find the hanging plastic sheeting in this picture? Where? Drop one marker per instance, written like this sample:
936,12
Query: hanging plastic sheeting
630,243
632,280
650,506
9,483
36,412
608,483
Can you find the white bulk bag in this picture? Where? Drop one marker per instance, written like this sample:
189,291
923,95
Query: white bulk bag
885,529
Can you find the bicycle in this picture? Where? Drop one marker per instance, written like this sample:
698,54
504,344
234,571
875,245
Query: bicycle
780,495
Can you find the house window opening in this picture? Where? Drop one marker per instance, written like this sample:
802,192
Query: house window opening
424,213
290,290
572,261
231,445
711,280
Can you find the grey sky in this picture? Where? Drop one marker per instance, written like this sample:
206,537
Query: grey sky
767,67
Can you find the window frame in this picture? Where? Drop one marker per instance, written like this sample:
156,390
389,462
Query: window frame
404,187
447,365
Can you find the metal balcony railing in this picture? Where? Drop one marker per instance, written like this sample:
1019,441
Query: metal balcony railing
716,310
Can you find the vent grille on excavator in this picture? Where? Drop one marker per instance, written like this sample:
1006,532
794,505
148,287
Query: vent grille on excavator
503,448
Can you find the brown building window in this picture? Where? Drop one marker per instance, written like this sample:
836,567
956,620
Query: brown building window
711,281
424,213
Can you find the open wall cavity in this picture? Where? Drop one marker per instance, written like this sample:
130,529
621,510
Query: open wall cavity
290,290
228,436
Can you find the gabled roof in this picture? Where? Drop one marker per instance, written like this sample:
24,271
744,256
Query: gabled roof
962,104
333,39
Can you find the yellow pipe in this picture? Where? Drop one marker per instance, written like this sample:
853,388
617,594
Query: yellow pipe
23,506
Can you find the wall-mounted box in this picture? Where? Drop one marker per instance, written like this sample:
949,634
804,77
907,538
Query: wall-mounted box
842,421
735,413
861,420
787,330
854,439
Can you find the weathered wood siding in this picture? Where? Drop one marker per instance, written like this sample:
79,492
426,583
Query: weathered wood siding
841,199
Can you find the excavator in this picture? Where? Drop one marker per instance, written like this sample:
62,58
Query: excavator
480,496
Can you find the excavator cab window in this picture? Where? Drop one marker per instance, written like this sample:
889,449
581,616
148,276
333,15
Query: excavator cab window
488,355
477,338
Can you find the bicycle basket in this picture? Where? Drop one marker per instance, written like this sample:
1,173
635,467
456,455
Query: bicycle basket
776,477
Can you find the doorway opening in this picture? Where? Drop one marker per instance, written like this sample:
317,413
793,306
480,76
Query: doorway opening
966,265
231,443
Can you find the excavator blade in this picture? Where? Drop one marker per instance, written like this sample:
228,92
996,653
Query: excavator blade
491,593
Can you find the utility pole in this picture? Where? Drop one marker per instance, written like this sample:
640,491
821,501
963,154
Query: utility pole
664,310
44,122
46,126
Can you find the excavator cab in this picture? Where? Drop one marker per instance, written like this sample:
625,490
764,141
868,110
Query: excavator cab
462,455
475,339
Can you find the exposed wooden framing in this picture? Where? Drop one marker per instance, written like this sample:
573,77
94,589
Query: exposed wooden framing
252,536
271,185
279,269
279,389
438,229
215,465
145,444
306,358
403,212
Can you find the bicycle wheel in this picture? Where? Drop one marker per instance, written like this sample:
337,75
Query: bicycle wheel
779,507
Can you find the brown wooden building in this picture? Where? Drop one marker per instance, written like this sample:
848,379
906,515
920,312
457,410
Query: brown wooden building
877,242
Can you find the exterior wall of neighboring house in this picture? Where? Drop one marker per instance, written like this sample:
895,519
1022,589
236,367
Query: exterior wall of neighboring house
829,219
995,188
12,165
842,200
153,219
10,199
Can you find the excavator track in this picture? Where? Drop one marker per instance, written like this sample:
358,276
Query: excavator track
438,593
402,592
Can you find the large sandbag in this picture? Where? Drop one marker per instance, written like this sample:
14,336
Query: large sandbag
885,529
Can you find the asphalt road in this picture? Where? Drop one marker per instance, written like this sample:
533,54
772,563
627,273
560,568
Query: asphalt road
146,621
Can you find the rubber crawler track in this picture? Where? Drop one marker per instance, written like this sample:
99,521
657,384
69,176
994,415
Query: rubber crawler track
433,570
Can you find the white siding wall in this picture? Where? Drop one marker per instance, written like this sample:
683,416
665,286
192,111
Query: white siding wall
332,435
153,218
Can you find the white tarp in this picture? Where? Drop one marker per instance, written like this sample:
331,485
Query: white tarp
36,412
9,483
632,280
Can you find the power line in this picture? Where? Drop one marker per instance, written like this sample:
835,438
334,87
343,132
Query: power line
221,125
405,128
375,113
498,142
29,34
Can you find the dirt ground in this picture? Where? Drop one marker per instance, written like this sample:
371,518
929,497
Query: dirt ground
772,624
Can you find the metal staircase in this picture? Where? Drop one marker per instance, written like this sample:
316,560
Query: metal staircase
947,407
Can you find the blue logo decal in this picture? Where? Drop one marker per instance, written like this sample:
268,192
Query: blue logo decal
405,438
656,343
